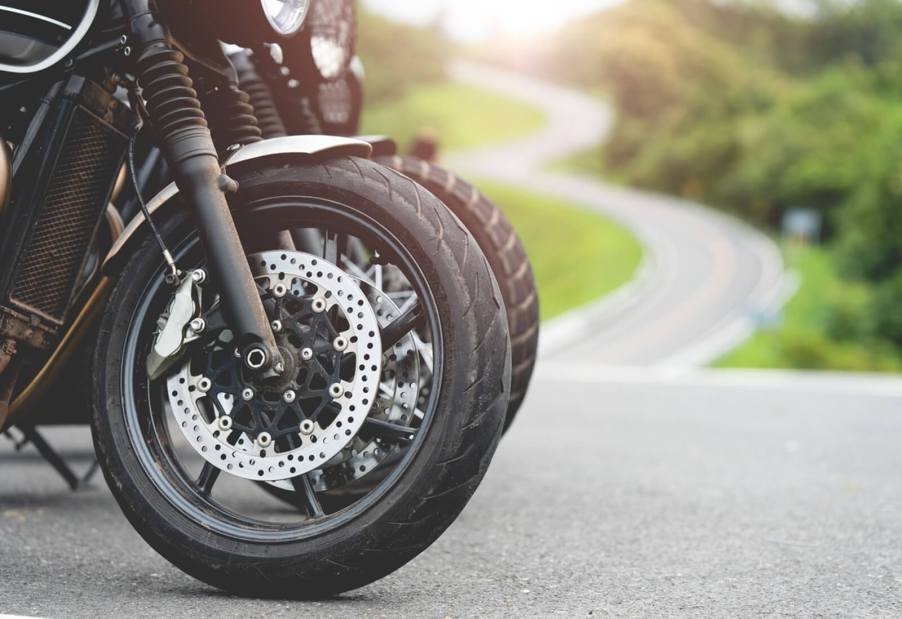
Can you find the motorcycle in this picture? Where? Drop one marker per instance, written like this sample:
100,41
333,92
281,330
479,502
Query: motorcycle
313,84
287,314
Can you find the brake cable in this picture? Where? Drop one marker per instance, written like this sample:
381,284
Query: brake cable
167,255
141,112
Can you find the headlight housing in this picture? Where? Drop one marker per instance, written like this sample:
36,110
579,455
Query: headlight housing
285,16
340,103
325,47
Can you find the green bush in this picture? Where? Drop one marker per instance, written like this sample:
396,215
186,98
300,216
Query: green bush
886,309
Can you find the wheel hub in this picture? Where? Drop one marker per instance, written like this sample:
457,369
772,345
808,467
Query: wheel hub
298,421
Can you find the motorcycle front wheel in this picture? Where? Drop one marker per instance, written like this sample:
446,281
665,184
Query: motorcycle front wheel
419,383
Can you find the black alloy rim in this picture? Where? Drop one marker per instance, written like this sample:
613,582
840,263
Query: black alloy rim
146,415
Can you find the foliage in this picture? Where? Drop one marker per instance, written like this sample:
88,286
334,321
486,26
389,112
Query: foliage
826,325
758,111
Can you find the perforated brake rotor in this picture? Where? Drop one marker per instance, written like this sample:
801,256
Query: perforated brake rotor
328,320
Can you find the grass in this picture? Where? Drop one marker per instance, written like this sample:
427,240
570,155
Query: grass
461,116
589,161
810,334
577,256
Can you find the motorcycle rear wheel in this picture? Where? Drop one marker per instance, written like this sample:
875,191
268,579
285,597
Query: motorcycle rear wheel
506,255
324,553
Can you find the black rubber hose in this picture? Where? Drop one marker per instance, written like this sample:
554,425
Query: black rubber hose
232,117
261,97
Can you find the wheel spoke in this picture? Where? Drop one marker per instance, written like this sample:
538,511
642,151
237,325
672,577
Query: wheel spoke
359,273
334,246
311,503
208,476
401,326
389,431
425,352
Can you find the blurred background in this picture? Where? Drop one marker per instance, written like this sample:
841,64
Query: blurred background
785,115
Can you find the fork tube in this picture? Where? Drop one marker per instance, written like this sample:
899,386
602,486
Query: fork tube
187,145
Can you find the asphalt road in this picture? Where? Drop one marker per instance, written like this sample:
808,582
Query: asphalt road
626,493
707,278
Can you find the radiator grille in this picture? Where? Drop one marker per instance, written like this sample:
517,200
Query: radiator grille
49,268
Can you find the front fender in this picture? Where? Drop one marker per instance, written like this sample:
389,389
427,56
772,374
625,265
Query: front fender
308,148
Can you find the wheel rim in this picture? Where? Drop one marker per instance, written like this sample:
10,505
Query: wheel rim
148,423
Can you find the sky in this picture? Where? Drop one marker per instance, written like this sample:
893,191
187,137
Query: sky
475,20
472,20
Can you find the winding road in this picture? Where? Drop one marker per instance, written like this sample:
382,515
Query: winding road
706,276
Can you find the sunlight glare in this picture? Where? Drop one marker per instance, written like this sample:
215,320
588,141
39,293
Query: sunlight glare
480,19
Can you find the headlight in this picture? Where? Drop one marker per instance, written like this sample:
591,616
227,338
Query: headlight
285,16
332,32
323,50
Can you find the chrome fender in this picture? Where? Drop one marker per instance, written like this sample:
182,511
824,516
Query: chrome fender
308,148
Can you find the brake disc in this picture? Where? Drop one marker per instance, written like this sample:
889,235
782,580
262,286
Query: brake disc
277,429
406,375
403,377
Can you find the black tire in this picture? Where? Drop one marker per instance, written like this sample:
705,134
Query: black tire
445,463
506,255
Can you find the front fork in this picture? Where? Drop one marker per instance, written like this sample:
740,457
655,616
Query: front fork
188,147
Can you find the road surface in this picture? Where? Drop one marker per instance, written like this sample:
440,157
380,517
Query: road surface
705,278
618,493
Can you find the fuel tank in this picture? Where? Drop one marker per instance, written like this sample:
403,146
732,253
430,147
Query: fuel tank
36,34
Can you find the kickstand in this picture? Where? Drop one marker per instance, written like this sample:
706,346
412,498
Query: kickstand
31,435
